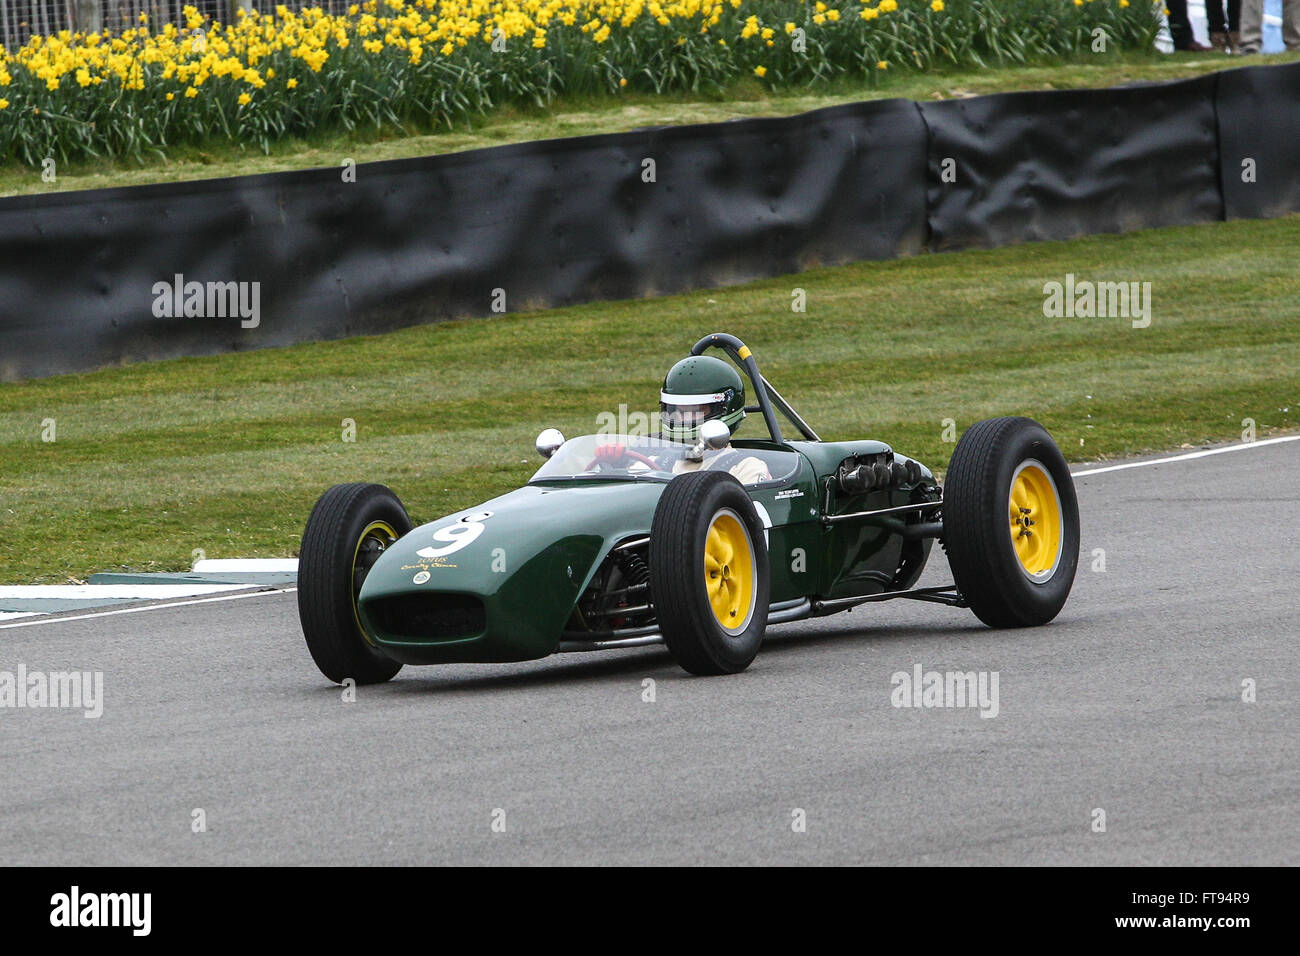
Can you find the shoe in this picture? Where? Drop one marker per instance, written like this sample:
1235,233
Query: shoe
1194,47
1220,42
1234,40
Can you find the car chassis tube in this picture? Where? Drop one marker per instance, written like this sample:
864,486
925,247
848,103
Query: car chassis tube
766,394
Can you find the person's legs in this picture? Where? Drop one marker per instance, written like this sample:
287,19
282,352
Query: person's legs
1214,17
1217,24
1180,28
1234,26
1252,25
1291,24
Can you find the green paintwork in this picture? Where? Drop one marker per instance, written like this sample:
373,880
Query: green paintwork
542,544
530,563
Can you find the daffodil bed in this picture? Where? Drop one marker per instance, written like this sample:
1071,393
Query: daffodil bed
427,63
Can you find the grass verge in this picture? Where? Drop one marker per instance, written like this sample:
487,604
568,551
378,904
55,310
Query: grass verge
227,454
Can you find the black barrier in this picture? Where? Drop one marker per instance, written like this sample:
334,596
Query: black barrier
1018,167
525,226
1259,140
103,277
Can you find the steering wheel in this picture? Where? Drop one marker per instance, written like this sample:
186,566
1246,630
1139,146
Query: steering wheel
625,456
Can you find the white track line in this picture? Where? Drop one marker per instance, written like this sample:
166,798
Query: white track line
110,592
147,607
246,565
1188,456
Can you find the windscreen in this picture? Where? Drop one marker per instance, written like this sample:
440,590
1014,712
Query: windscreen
657,459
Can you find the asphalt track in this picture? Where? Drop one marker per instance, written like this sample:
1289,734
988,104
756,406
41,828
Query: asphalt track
1130,702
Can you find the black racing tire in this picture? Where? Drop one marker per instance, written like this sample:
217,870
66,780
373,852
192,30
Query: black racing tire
1009,578
691,573
350,525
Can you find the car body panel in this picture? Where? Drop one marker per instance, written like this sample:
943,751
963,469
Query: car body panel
535,554
500,581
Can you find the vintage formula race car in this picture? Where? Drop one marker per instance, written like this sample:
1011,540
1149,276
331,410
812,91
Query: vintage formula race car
612,544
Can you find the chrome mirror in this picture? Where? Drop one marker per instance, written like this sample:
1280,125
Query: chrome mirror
549,442
715,434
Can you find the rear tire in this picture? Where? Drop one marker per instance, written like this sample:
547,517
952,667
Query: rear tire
349,528
709,575
1011,522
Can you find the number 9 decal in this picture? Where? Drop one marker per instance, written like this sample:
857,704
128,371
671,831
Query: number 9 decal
456,536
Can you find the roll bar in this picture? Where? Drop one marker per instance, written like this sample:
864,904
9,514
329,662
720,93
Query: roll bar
769,399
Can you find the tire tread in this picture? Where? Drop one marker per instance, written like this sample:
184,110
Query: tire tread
992,586
325,608
684,622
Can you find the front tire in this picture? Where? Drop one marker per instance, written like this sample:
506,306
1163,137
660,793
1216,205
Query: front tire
709,576
350,527
1011,522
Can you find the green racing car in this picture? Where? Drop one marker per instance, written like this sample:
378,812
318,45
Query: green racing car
688,538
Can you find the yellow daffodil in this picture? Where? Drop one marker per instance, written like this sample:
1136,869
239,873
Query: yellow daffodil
81,71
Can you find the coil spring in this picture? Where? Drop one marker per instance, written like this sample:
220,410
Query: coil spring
634,568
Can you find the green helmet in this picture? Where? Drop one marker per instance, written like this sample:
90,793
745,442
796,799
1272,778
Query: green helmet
697,389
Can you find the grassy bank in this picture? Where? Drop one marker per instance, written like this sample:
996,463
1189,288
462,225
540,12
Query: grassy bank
577,115
228,453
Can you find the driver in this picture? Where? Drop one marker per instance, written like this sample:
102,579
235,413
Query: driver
695,390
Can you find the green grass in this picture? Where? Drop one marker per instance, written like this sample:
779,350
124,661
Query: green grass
580,116
228,453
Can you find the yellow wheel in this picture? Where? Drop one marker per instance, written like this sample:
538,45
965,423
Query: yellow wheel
730,577
709,574
1037,530
1011,522
376,538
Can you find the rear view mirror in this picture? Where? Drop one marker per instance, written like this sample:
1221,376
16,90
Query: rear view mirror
715,434
549,442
